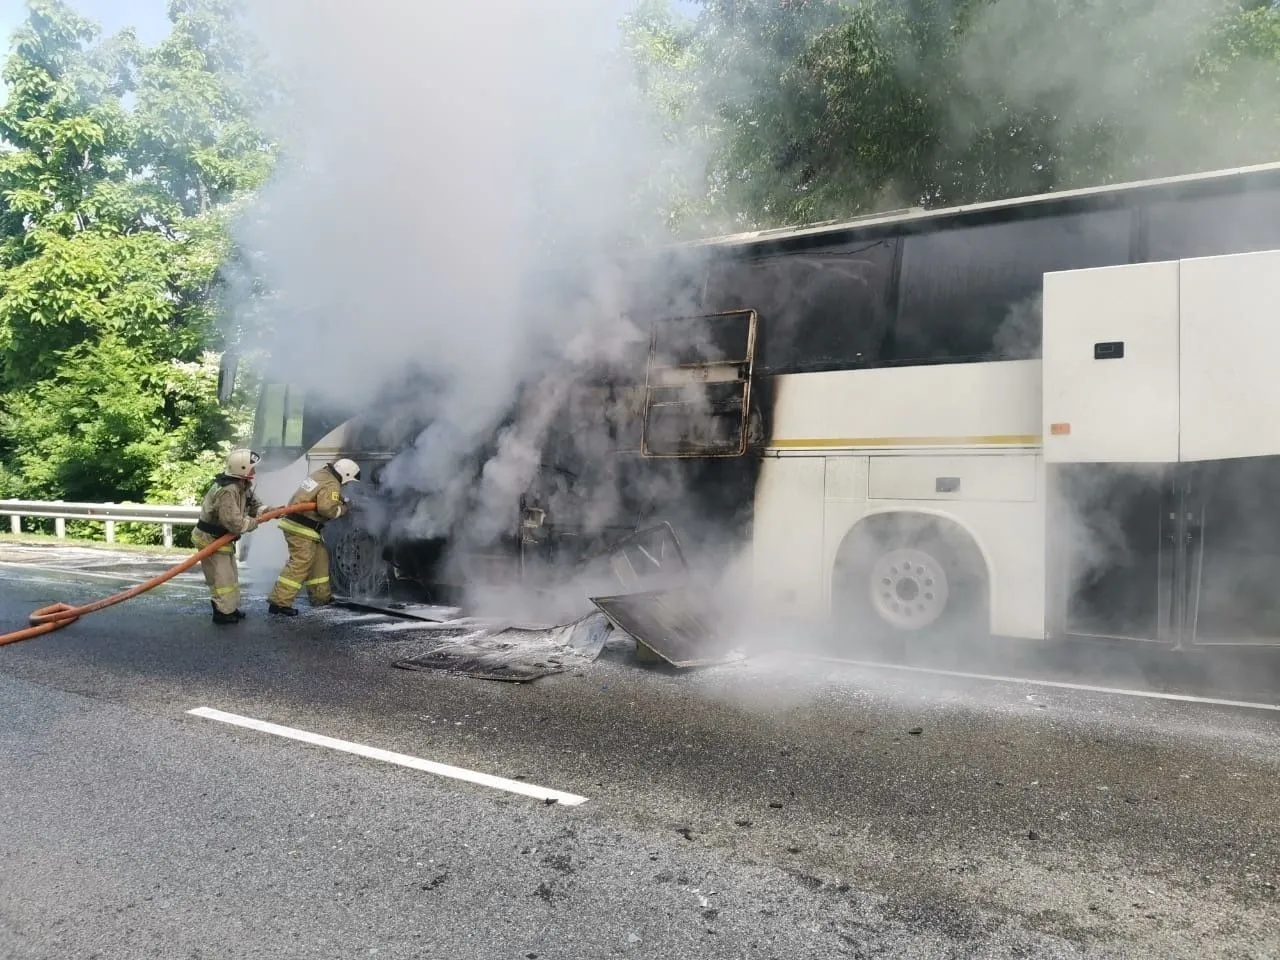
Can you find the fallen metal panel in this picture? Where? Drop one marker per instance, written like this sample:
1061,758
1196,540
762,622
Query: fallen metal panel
586,637
481,668
412,611
667,624
648,555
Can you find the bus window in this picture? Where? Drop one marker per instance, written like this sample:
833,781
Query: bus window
973,293
278,422
822,309
1213,226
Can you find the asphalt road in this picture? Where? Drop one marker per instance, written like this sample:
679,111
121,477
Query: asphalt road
777,808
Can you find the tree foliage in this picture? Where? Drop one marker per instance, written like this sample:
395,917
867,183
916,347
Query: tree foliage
119,167
805,110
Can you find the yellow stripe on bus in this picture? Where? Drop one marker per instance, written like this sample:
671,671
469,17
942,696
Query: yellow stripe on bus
999,440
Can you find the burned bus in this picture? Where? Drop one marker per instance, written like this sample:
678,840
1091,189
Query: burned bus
924,422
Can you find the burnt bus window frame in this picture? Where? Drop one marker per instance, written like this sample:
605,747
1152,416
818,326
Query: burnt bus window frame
664,386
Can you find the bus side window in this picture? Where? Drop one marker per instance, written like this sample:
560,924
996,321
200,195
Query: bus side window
820,309
1213,226
973,293
279,418
269,419
293,406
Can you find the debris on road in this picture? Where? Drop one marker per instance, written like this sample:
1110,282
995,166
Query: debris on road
430,613
664,625
515,654
667,625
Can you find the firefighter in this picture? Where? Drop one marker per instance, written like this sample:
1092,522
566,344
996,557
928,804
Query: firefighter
308,563
229,507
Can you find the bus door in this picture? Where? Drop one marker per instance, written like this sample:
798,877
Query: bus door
1230,446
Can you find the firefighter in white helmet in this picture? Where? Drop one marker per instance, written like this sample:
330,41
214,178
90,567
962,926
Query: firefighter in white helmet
229,507
308,563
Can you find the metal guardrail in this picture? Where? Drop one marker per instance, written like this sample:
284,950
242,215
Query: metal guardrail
108,513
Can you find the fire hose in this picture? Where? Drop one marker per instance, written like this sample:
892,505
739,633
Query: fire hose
58,615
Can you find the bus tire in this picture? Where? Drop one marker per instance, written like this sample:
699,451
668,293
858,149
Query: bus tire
357,566
900,579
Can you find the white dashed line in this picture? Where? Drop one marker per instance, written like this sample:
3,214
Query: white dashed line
1057,684
400,759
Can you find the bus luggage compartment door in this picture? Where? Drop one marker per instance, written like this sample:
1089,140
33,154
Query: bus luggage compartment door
1111,365
1229,344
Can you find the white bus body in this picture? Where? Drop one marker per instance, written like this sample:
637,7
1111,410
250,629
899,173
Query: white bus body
1155,363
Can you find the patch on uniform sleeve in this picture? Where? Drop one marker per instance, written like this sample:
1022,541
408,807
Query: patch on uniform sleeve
309,484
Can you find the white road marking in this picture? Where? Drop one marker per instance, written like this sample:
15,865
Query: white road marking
403,760
1057,684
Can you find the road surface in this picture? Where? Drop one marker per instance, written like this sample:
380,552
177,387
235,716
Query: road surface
781,807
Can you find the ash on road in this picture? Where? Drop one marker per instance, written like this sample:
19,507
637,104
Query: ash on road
770,809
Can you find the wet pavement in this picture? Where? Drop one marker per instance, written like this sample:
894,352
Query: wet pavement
778,807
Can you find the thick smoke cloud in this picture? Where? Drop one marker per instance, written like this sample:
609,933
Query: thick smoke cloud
1110,80
462,181
442,158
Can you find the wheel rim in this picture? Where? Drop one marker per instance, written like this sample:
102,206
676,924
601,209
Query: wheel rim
357,563
908,589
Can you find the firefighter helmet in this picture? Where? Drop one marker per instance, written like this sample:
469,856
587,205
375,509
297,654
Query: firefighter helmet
240,463
347,470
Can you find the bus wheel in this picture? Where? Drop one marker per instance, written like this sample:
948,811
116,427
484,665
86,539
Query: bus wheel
909,588
902,577
357,568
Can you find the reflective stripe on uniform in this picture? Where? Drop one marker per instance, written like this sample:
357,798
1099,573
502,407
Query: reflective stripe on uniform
289,583
227,549
316,582
299,530
220,591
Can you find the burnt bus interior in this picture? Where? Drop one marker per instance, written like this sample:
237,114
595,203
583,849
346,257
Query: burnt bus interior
1176,554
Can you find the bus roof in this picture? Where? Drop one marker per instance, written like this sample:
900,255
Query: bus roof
877,222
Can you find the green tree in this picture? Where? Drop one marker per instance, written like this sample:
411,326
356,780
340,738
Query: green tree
808,110
121,168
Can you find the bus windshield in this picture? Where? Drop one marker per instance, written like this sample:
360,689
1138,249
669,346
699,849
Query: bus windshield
289,421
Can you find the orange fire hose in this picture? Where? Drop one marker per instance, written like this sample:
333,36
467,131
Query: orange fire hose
58,615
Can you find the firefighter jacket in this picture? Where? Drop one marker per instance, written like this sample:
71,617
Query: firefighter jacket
325,489
229,507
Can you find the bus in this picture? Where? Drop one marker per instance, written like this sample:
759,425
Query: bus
1050,416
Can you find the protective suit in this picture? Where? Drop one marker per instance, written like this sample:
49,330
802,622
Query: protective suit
229,506
308,563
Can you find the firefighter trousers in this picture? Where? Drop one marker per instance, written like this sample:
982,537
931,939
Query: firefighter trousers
307,566
220,573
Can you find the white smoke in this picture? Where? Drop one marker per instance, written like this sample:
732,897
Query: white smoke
449,168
